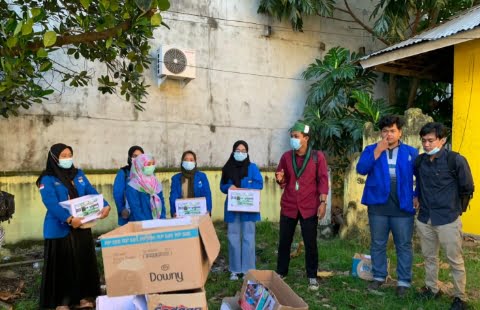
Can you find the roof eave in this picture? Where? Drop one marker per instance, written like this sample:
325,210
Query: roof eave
420,48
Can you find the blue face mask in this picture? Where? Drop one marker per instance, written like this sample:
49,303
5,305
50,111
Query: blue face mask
434,151
239,156
65,163
295,144
188,165
148,170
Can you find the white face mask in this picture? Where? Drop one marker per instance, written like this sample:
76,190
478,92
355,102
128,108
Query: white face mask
434,151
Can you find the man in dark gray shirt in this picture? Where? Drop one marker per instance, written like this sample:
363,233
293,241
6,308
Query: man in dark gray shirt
439,204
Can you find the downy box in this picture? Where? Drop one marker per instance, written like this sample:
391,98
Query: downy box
159,255
284,297
191,207
184,300
243,200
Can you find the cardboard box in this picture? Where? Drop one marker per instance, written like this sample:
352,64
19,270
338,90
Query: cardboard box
86,206
186,300
243,200
159,256
134,302
283,296
191,206
362,266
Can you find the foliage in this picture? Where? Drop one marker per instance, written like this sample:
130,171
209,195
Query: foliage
35,34
294,10
339,103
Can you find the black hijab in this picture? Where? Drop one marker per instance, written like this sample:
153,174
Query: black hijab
64,175
130,154
236,170
189,174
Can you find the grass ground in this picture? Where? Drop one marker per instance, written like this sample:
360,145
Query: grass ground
340,291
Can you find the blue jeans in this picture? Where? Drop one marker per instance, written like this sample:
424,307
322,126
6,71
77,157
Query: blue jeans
241,245
402,231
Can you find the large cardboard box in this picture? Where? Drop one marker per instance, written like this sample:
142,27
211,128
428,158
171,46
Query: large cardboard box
159,255
191,207
243,200
186,300
285,298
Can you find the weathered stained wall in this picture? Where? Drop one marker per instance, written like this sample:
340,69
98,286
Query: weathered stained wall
247,87
466,120
356,213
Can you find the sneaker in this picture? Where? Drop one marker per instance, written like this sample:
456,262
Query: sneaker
458,304
427,293
313,284
375,285
233,276
401,291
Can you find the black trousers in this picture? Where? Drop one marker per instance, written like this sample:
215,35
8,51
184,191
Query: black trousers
309,235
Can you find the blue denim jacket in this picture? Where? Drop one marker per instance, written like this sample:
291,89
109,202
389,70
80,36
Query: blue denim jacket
377,186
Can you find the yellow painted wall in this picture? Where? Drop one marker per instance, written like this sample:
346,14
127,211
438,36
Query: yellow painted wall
466,121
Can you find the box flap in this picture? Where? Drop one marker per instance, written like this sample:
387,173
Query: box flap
209,238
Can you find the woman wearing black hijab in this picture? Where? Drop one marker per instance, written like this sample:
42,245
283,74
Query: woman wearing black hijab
70,275
239,172
120,186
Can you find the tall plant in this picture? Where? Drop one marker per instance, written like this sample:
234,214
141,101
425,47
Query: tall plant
339,103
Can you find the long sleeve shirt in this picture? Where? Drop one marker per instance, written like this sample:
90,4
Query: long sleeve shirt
312,183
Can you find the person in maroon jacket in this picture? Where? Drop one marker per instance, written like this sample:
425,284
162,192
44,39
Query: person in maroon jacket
303,175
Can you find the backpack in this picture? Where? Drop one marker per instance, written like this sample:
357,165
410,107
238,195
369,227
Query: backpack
7,206
465,196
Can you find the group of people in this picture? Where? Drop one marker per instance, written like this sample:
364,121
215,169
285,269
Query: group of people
442,188
70,274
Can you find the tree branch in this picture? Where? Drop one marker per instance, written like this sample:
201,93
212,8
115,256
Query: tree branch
362,24
87,37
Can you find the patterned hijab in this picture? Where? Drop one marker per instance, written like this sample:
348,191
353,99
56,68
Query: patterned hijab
146,184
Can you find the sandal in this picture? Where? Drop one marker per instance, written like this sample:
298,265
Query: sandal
85,303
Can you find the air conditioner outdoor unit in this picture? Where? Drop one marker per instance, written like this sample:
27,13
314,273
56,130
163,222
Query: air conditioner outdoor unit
175,63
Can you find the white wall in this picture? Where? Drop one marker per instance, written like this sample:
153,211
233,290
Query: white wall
247,87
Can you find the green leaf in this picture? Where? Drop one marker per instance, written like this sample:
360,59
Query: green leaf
42,53
27,27
163,5
35,12
85,3
45,66
108,43
12,42
156,19
18,28
49,38
144,5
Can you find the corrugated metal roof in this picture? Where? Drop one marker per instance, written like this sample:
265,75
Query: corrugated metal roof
465,21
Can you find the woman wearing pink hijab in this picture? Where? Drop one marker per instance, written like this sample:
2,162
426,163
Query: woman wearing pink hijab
144,192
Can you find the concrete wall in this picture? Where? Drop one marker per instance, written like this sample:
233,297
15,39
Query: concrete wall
466,117
247,87
356,213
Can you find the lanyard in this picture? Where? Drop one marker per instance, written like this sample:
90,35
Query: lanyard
299,172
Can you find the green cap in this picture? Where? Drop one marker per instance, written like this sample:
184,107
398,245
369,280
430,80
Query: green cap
301,127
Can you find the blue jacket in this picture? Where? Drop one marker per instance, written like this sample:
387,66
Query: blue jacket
53,191
253,180
119,188
139,203
377,186
201,188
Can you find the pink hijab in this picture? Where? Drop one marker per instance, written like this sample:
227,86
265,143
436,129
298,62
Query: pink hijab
148,184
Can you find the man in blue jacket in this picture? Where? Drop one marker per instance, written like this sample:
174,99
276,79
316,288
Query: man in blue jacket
388,194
